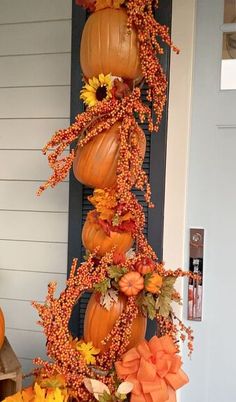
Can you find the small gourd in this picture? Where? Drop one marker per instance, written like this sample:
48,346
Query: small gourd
131,283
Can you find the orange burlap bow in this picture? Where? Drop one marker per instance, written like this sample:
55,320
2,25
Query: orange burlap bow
154,369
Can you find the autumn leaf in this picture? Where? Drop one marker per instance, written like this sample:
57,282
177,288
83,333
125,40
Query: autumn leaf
163,304
102,287
130,254
26,395
116,272
124,389
105,203
126,217
118,258
147,303
55,395
98,389
88,351
109,298
39,394
105,397
56,381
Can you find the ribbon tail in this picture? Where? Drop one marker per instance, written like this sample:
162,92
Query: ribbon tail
177,380
172,395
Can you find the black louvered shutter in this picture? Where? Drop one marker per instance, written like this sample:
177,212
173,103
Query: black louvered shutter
154,166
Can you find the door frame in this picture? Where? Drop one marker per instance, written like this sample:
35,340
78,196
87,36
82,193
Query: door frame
175,238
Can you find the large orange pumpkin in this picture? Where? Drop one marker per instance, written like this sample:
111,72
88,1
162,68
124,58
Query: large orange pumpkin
99,322
93,236
95,163
2,328
107,46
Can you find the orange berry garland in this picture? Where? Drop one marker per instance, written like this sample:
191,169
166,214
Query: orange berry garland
112,271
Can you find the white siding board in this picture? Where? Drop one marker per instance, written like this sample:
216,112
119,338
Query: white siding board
35,38
28,285
28,133
35,102
36,70
20,195
36,226
33,10
33,256
24,165
27,367
20,314
27,344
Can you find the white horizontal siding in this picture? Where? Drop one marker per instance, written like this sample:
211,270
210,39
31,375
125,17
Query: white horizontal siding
36,70
35,45
34,226
28,285
36,102
24,165
27,343
35,38
33,256
14,319
27,367
52,200
28,133
12,11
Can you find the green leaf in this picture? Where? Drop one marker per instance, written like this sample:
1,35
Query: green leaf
147,277
147,303
116,272
163,304
105,397
103,286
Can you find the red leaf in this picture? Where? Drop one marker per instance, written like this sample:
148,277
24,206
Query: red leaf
88,4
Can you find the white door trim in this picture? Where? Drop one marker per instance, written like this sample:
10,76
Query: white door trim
181,72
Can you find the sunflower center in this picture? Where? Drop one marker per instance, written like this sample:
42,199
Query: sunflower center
101,93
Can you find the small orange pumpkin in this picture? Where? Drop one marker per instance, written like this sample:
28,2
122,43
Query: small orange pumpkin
131,283
145,265
2,328
93,236
107,46
95,163
154,283
99,322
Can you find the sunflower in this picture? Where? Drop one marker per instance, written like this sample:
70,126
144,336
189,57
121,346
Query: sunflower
97,89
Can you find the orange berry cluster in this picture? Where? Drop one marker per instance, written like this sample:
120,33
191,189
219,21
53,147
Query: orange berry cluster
140,16
174,327
119,335
55,315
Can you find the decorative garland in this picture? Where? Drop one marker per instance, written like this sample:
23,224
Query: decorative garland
128,286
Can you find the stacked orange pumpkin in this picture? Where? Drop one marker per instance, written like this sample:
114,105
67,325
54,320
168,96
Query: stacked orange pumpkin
107,47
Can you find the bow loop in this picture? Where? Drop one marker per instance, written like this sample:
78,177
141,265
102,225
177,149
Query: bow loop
154,369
